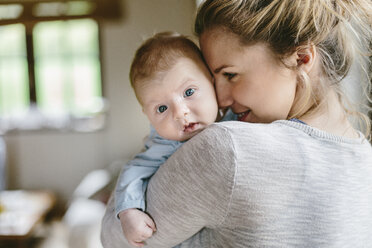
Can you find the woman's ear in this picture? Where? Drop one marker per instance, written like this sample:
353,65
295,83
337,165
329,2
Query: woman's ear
306,56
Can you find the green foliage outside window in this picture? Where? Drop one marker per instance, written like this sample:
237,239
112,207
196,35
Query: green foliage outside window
14,90
66,66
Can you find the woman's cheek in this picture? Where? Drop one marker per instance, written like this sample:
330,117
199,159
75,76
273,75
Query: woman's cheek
240,93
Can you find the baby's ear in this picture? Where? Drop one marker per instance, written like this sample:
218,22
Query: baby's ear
305,57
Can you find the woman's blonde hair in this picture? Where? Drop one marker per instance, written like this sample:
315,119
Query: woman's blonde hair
341,31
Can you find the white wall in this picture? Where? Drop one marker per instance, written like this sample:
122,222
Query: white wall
59,160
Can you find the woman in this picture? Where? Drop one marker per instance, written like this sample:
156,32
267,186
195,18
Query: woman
293,172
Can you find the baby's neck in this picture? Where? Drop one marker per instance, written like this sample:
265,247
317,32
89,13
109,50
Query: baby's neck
332,119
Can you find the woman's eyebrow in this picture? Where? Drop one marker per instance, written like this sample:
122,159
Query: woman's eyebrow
220,68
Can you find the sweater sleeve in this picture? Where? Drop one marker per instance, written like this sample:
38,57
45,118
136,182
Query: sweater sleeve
193,189
133,179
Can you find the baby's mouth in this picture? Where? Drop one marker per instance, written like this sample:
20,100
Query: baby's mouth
191,127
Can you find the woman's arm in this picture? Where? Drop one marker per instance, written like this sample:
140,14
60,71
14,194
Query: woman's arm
190,191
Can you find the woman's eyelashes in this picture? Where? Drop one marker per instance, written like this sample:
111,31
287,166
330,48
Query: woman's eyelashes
161,109
229,75
189,92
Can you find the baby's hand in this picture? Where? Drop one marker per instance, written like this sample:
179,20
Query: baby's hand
137,226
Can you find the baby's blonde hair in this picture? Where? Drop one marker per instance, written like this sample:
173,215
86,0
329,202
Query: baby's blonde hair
340,30
158,54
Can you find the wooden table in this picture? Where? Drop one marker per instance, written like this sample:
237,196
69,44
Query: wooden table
21,211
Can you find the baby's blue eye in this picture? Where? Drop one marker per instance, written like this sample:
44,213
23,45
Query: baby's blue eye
189,92
162,108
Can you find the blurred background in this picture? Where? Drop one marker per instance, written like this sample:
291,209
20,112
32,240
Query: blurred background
69,119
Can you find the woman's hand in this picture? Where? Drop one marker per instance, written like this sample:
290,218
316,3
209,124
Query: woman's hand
137,226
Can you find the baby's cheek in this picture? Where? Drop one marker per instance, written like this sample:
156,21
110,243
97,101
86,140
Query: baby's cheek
167,130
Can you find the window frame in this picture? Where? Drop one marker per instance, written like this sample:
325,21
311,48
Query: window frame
106,9
31,58
102,10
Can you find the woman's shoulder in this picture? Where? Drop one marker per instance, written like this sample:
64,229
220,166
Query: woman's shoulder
238,129
215,136
227,136
283,133
223,134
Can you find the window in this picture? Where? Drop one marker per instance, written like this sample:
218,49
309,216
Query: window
52,74
67,67
50,69
14,83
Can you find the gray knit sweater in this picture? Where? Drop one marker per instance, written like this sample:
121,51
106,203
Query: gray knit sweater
283,184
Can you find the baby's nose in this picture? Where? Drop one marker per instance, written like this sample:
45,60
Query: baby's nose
180,111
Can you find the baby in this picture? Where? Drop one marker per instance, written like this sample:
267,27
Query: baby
175,89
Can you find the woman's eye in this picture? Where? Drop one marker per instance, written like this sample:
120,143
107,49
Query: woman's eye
162,108
189,92
229,76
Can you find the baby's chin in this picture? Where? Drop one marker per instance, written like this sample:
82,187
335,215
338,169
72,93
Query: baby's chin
190,135
182,137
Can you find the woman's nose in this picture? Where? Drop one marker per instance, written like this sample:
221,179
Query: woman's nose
223,91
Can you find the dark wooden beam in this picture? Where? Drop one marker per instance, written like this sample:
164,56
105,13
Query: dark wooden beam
102,10
31,63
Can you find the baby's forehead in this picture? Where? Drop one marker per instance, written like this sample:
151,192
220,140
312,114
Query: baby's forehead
149,88
178,69
158,76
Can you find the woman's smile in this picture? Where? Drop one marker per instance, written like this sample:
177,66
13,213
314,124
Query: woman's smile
243,116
